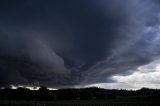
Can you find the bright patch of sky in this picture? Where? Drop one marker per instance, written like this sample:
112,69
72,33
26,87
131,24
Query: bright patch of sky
145,76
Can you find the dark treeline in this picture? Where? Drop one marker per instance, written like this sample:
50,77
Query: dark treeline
43,94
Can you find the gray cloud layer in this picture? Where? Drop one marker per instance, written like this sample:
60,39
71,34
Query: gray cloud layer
67,43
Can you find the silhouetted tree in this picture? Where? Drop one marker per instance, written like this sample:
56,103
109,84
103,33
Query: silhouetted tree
23,94
43,94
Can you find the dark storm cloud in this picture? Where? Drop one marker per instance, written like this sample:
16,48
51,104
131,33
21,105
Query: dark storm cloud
71,42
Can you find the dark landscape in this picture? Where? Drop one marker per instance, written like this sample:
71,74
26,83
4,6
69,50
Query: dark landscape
79,97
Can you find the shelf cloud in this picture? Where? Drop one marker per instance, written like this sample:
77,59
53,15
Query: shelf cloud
66,43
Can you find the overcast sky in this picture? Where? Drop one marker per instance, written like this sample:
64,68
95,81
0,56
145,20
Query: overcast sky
71,43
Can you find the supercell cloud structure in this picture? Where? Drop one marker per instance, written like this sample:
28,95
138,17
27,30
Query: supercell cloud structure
71,43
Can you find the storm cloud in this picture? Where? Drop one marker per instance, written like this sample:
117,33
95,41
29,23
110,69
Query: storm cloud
75,42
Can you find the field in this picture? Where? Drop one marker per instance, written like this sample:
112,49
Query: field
83,103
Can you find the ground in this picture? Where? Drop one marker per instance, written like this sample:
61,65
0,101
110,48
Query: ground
83,103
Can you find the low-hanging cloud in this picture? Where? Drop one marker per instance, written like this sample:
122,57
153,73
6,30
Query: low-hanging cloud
67,43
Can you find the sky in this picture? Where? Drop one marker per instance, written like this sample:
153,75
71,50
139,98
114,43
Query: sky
78,43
